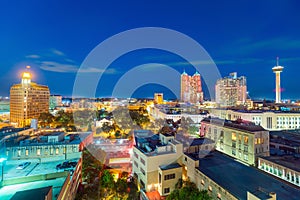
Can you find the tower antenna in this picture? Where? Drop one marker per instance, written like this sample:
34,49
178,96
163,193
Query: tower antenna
277,61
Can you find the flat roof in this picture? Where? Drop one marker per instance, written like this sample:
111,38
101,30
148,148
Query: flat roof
290,138
238,178
170,166
243,125
37,194
7,192
288,161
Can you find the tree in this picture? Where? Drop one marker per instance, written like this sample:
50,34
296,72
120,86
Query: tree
107,179
45,119
188,191
193,130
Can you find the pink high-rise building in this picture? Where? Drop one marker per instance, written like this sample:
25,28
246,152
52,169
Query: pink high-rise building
191,88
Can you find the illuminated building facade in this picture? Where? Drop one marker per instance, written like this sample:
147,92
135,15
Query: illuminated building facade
242,140
231,90
27,101
191,88
269,120
158,98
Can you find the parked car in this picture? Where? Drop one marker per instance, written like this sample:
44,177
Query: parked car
23,165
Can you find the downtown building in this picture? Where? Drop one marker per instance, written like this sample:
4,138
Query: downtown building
239,139
272,120
191,88
231,90
27,101
156,163
51,164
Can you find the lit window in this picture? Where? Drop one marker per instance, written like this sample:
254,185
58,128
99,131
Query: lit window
233,136
246,139
38,152
26,152
57,151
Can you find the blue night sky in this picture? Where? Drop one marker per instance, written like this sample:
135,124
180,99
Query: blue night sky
54,37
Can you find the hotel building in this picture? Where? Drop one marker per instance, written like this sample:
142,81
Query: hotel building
242,140
191,88
231,90
27,101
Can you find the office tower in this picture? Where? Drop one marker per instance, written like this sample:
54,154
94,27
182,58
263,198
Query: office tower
231,90
158,98
27,101
277,70
191,88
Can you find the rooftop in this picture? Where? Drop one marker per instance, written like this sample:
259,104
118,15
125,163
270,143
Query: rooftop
170,166
37,194
238,124
238,178
33,171
289,161
289,138
42,139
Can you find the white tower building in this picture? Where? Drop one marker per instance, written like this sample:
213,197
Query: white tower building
277,70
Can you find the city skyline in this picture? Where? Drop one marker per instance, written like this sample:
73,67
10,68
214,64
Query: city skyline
54,39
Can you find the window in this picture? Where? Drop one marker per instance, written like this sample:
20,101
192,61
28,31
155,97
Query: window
246,139
142,161
245,157
209,188
166,190
233,152
233,136
136,164
136,155
38,152
51,151
57,151
159,177
143,171
26,152
202,182
185,158
169,176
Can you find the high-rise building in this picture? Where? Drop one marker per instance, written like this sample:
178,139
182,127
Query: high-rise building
277,70
191,88
231,90
27,101
158,98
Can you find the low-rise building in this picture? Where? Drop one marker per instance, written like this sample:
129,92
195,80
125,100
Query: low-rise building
285,167
155,162
268,119
46,146
285,141
225,178
242,140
